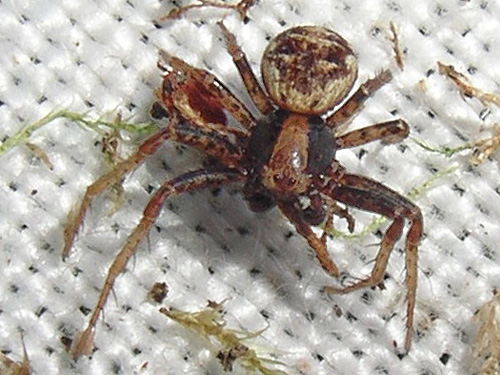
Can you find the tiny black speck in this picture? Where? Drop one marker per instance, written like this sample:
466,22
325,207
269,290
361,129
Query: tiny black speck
319,357
40,311
13,288
200,228
255,271
445,358
243,231
358,353
85,310
350,317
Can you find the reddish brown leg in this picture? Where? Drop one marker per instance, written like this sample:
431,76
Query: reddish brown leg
202,91
318,245
190,181
370,195
75,218
334,209
387,132
254,89
212,143
352,106
208,140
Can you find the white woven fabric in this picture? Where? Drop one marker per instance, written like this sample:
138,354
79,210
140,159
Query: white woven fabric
101,57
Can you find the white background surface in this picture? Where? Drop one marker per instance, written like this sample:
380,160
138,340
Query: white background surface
101,56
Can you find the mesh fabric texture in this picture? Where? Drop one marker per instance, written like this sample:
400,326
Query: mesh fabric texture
99,57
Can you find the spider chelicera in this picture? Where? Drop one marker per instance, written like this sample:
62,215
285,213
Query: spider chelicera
285,158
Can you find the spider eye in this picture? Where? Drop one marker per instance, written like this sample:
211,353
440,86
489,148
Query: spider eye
284,183
158,112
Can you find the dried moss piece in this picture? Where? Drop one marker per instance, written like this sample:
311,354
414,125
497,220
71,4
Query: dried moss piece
486,347
483,148
100,125
463,85
209,324
10,367
394,38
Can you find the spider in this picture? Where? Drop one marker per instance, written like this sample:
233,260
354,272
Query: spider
284,158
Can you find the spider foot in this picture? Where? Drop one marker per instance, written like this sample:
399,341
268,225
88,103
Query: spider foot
365,283
83,344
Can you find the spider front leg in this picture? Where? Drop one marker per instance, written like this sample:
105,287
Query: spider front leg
190,181
215,144
254,89
388,132
369,195
194,100
76,216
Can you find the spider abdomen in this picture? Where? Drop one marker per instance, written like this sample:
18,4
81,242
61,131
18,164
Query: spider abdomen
308,69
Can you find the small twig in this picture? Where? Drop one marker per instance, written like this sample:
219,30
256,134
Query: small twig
10,367
420,189
486,347
465,87
110,149
446,151
208,323
38,152
398,55
483,148
241,7
78,118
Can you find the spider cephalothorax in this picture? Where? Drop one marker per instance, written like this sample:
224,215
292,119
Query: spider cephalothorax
286,158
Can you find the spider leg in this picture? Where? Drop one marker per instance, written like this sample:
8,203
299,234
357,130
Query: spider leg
352,106
207,140
190,181
254,89
202,92
370,195
75,218
387,132
334,209
318,245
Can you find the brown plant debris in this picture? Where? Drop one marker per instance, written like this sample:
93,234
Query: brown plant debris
486,347
398,54
229,349
111,151
10,367
461,81
158,292
38,153
241,7
483,148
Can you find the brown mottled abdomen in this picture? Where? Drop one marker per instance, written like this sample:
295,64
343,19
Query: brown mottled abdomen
308,69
